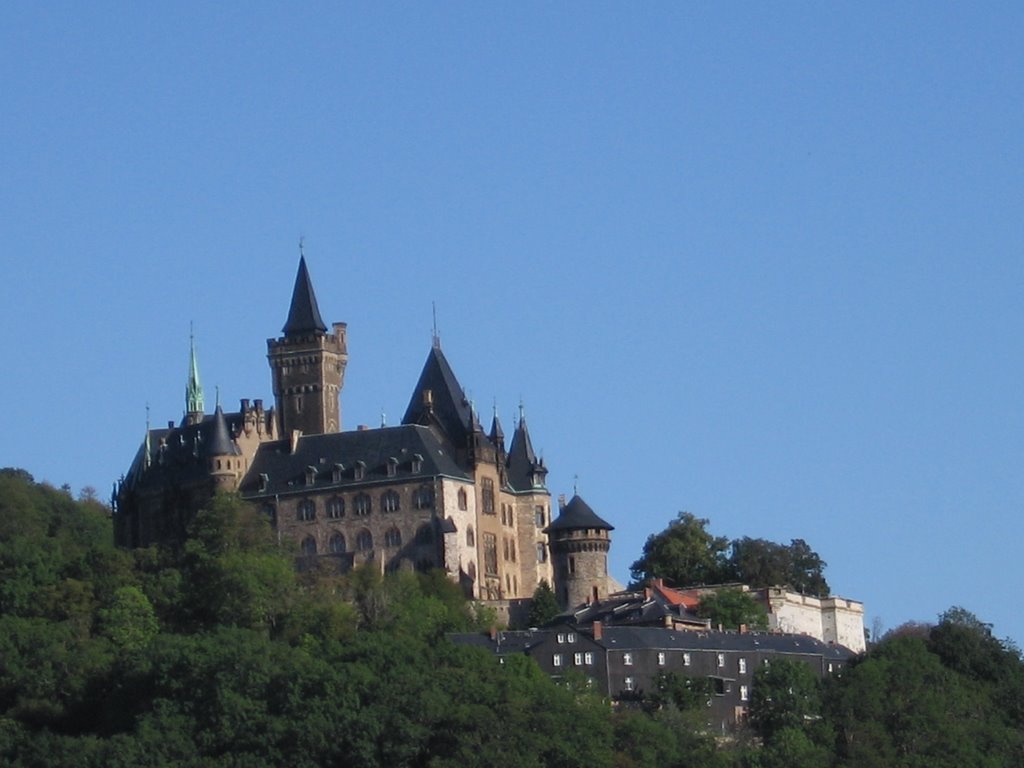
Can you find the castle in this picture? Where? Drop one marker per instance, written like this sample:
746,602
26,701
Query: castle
437,491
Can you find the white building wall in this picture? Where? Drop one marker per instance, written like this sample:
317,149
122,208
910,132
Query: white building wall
831,620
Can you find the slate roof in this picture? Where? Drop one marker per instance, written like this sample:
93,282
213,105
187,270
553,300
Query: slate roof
286,472
521,458
517,641
450,408
637,638
638,608
177,453
303,314
578,514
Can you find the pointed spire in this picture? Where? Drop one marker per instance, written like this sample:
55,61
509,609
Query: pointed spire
439,398
497,434
435,335
149,446
303,314
220,440
524,471
193,389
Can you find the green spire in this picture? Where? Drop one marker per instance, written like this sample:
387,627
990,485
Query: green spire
193,390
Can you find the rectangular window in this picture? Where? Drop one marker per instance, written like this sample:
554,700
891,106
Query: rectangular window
538,513
561,637
490,554
661,658
627,659
542,553
571,637
743,666
577,659
588,658
556,660
628,684
744,693
721,660
487,496
686,659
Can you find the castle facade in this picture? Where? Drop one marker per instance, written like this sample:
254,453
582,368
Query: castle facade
436,491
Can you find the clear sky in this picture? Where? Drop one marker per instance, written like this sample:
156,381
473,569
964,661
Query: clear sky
760,262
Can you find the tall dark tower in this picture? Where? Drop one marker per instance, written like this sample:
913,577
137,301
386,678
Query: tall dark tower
579,548
307,365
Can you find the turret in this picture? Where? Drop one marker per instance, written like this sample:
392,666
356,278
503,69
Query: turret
193,389
579,548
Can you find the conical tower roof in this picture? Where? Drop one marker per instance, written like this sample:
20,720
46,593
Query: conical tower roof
303,314
522,461
578,514
220,442
447,405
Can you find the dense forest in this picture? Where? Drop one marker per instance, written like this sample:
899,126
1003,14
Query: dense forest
222,654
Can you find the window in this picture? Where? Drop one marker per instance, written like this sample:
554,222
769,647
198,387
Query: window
364,541
390,501
571,637
686,659
588,658
309,546
424,498
661,658
627,659
336,508
463,501
542,553
359,471
556,660
487,495
393,537
577,659
392,466
470,537
628,684
743,666
560,637
512,549
362,504
572,564
490,554
336,543
721,660
270,511
538,512
417,463
504,546
744,693
720,686
307,510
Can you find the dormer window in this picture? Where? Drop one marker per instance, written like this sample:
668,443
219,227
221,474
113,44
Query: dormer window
417,463
392,466
336,473
310,475
360,470
264,481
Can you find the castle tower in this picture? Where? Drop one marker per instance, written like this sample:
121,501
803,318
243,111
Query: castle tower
579,549
307,365
526,477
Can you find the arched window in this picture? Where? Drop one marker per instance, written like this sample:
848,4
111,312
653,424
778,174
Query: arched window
307,510
336,543
424,498
470,537
463,503
362,504
364,541
472,570
392,537
390,501
335,507
309,546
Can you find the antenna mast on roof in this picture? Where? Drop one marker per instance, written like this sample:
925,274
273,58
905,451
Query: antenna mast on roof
435,337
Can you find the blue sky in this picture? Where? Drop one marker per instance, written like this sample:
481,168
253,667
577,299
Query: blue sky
762,263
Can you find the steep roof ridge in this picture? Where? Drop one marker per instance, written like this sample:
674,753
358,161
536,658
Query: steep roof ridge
448,404
220,443
304,313
578,514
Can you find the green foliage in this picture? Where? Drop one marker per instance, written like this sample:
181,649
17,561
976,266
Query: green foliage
786,695
685,554
762,563
544,606
731,609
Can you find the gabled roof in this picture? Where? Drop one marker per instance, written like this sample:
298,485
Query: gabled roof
334,458
303,314
578,514
448,406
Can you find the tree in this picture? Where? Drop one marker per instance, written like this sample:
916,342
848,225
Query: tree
544,606
786,695
763,563
732,608
685,553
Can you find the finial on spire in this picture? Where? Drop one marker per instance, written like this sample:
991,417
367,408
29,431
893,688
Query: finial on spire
216,390
383,418
302,250
522,410
575,485
435,337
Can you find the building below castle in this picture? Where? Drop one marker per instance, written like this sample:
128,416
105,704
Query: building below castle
436,491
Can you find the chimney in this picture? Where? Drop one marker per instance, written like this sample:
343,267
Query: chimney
245,405
598,630
493,632
743,629
561,501
296,434
362,428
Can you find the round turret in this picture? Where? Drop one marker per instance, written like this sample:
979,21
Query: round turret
579,541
